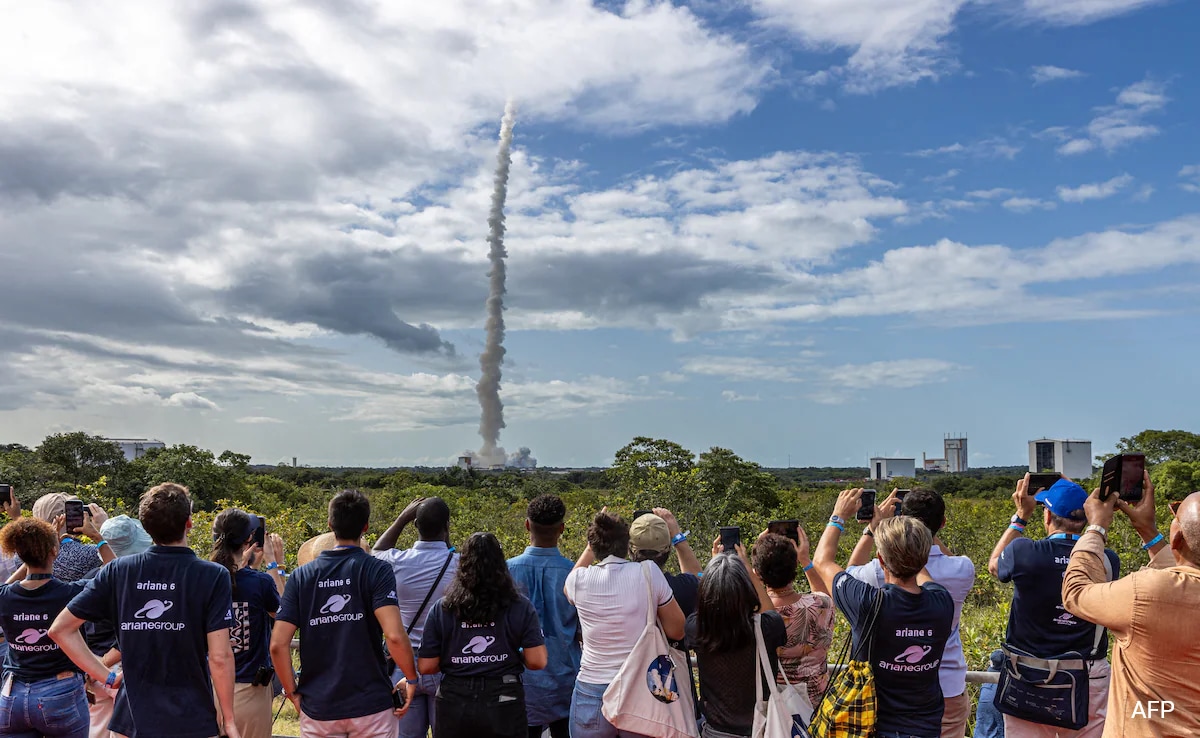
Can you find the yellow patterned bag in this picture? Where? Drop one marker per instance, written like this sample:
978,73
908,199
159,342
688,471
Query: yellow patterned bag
847,709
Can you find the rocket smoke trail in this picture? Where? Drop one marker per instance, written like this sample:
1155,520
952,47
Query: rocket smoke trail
492,410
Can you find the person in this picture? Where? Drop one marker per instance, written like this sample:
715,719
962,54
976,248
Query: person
255,602
1039,623
808,617
721,632
343,604
989,722
900,628
126,537
652,537
540,573
612,601
9,563
422,574
172,612
313,547
481,636
955,573
1156,659
43,692
75,558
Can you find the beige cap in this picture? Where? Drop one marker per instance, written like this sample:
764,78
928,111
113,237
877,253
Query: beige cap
649,533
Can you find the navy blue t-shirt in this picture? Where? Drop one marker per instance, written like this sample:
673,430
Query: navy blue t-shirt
253,599
910,636
26,615
481,649
332,601
164,603
1037,621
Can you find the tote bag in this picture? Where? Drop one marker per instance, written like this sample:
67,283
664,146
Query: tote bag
785,712
650,694
848,708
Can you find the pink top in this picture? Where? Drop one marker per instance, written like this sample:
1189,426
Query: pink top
809,622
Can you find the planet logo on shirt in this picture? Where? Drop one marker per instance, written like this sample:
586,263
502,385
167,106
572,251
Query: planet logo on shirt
154,609
335,603
30,636
913,654
660,680
479,644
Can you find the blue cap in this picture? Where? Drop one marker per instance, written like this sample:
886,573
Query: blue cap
125,535
1064,498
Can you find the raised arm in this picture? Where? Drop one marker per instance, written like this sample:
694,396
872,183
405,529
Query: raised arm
816,582
1086,591
1026,505
688,563
764,599
1141,516
866,542
825,562
407,515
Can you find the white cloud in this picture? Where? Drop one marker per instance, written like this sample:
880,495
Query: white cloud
1044,74
1122,123
1095,190
1078,12
258,420
992,194
1027,204
741,368
995,147
731,396
192,401
895,373
1191,176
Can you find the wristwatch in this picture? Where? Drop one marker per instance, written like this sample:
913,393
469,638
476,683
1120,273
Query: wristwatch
837,519
1016,519
868,532
1099,529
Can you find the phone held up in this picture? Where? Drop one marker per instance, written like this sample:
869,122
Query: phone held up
867,511
787,528
639,513
731,538
1041,481
74,512
900,494
1123,475
260,533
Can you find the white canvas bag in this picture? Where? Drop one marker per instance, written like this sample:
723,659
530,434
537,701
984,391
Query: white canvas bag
650,694
786,711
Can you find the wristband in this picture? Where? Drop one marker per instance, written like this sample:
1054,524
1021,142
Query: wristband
110,679
274,565
679,538
1152,542
839,526
1017,528
1016,518
810,565
105,543
413,681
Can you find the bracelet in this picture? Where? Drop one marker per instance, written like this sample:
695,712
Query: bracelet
679,538
868,532
810,565
1017,528
839,526
111,679
273,565
413,681
1152,542
100,544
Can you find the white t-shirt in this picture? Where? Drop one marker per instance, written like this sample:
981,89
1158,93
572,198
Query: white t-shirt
611,600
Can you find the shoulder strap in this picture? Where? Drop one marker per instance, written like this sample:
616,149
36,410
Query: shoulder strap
651,605
868,636
1108,570
764,662
417,618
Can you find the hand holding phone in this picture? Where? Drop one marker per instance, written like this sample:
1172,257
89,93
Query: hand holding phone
866,512
787,528
731,538
639,513
74,513
1124,476
1040,482
260,532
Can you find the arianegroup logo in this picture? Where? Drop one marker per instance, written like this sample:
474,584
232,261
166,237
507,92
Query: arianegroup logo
335,603
154,609
913,654
30,636
1066,619
660,680
479,644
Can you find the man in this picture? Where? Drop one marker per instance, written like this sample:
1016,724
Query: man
344,606
172,612
1038,622
955,573
313,547
652,536
422,574
540,574
1156,660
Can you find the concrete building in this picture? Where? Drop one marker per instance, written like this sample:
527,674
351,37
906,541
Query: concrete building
135,448
956,452
1072,458
881,468
935,465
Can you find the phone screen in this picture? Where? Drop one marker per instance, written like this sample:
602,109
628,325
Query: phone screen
1133,467
260,533
1110,477
786,528
867,511
639,513
1039,482
6,492
731,537
74,513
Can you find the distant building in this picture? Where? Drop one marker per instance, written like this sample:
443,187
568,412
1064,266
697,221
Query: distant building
935,465
135,448
1071,458
881,468
956,453
464,462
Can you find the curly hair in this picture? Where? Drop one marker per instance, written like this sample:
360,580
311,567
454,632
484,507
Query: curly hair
32,539
232,529
482,588
608,535
774,558
546,510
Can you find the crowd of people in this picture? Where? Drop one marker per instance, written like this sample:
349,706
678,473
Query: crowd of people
117,628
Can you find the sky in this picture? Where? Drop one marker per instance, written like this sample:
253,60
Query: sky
810,231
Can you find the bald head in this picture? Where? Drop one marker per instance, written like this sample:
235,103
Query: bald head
1185,530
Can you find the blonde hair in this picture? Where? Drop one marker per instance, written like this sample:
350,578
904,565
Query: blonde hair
903,544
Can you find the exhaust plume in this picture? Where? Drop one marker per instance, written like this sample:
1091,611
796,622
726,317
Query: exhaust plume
491,408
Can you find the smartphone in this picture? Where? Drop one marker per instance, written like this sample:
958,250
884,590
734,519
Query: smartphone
900,493
786,528
1175,506
867,511
639,513
399,696
731,538
74,513
1040,481
1123,475
260,533
6,492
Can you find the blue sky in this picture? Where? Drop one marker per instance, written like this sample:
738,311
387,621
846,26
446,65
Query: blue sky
793,228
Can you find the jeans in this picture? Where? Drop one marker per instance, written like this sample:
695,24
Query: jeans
587,721
481,707
558,729
420,718
989,722
50,707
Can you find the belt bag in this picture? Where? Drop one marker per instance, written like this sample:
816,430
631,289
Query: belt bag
1050,691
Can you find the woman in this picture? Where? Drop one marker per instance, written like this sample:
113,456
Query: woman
255,602
75,559
43,693
481,636
912,618
612,601
808,616
721,632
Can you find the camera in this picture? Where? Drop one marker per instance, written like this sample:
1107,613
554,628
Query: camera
263,676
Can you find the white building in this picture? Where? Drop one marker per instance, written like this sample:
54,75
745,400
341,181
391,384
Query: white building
1071,458
135,448
956,453
881,468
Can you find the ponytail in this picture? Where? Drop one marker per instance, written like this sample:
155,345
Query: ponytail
231,532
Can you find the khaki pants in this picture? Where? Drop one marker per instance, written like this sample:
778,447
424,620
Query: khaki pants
954,719
100,713
1098,678
252,710
380,725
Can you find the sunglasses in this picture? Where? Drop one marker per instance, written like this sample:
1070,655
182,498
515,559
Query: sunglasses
1174,507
